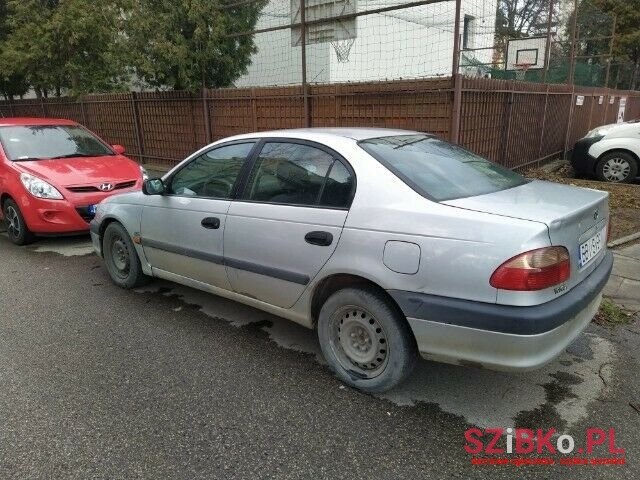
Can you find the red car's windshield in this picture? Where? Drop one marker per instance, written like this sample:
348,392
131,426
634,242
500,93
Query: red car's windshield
38,142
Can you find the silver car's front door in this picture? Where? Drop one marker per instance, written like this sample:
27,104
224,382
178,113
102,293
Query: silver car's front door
288,222
182,231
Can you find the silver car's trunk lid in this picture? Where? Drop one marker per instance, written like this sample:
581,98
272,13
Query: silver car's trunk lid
572,215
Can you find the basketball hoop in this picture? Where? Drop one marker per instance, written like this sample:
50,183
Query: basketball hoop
521,70
342,48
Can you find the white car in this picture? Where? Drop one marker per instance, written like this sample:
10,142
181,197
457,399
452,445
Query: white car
610,153
389,243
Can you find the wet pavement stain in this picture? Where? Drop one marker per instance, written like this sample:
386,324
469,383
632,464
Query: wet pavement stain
546,416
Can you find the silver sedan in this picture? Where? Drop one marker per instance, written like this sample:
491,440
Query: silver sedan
389,243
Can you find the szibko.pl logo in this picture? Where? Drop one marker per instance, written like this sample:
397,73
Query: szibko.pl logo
524,441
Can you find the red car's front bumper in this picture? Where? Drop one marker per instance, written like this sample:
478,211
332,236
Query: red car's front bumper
70,215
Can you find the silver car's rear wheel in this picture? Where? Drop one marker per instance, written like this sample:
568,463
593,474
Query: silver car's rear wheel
365,339
359,341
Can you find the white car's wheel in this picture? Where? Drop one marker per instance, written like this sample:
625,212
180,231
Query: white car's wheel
618,167
365,340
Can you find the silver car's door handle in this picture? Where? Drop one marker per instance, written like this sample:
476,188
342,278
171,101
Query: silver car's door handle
212,223
323,239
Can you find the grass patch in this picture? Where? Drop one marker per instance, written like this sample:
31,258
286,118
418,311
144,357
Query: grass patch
610,314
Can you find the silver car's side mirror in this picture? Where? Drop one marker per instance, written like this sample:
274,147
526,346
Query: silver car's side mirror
153,186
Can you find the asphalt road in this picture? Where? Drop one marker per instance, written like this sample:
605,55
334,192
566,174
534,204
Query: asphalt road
168,382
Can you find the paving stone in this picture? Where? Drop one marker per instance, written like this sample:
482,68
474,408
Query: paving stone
632,251
612,286
626,267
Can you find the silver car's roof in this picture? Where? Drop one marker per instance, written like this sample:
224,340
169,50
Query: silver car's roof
323,133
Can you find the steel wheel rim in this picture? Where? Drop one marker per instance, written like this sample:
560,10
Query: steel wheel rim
14,227
359,341
120,257
616,169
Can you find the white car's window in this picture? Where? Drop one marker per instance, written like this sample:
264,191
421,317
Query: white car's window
440,170
213,174
295,174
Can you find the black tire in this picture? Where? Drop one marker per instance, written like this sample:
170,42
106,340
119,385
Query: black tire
17,229
613,164
343,318
121,258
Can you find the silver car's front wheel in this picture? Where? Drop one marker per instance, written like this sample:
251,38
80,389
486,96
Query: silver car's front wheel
366,340
120,257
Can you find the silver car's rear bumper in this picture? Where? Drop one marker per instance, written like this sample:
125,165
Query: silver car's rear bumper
502,337
497,350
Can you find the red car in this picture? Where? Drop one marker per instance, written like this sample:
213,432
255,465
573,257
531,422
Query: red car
53,173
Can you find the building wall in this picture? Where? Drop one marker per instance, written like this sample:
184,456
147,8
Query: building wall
410,43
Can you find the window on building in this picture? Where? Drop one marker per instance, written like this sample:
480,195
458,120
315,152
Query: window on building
469,32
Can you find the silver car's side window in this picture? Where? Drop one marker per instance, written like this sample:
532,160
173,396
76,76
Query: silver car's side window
212,174
298,174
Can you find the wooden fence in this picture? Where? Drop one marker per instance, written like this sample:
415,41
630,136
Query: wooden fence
513,123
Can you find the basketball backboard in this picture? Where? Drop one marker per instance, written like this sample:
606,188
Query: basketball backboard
526,51
331,31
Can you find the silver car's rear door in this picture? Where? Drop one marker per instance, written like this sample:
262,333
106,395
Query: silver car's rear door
289,220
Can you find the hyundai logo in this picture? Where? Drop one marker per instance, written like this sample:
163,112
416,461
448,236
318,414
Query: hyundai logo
106,187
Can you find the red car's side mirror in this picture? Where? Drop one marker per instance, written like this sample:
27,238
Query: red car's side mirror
119,149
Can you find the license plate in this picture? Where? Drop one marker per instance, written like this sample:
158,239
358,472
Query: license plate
590,249
91,210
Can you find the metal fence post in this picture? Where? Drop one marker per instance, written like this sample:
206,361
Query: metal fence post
572,54
207,118
83,111
456,110
303,42
547,48
570,122
613,36
136,123
506,132
544,122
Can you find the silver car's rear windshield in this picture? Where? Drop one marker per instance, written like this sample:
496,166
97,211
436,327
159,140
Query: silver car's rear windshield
440,170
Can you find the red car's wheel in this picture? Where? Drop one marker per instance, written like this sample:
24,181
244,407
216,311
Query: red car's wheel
17,229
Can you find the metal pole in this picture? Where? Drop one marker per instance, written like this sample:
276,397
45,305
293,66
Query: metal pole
613,35
572,54
207,118
457,78
547,55
83,111
136,122
303,41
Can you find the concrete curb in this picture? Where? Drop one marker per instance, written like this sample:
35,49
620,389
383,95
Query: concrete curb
621,241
